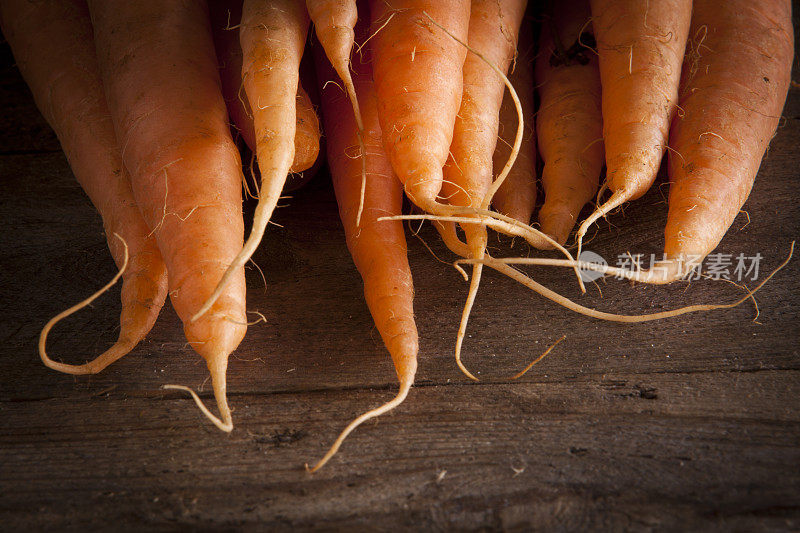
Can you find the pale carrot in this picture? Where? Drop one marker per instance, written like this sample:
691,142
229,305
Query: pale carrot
334,23
273,36
226,16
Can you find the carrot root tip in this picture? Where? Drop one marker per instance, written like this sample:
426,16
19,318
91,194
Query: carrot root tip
225,424
405,387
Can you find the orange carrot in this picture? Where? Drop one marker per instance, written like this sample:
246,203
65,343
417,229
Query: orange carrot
334,21
54,49
780,63
516,198
421,182
308,140
163,90
417,71
378,248
569,120
641,46
307,133
493,29
418,81
272,35
732,93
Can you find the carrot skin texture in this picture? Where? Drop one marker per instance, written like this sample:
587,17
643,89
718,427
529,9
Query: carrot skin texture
516,197
378,248
162,85
569,121
493,30
418,80
272,35
640,46
53,47
732,94
307,133
334,23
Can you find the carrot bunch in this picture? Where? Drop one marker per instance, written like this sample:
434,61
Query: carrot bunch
451,104
665,87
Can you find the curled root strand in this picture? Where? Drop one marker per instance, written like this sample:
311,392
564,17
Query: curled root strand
94,366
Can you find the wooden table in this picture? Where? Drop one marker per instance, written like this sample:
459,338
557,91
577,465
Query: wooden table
691,422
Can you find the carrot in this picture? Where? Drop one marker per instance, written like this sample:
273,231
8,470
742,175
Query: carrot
779,66
417,71
493,29
640,46
162,86
732,93
225,17
307,133
308,129
418,81
569,120
516,197
272,36
53,46
415,122
378,248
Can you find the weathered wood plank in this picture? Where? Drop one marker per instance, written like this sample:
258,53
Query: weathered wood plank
600,450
